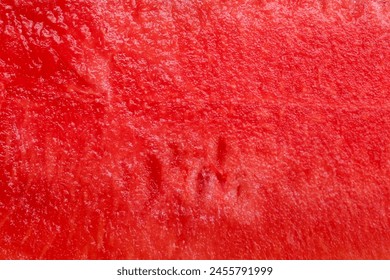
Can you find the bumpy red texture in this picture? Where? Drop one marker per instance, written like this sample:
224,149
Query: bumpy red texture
194,129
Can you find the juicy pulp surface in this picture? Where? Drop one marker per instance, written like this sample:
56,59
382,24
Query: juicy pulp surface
194,129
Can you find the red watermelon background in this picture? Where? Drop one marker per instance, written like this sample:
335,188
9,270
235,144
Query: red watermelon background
136,129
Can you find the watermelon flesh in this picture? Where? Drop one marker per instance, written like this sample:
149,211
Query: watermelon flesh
194,129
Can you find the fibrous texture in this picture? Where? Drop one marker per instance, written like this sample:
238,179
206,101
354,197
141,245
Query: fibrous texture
194,129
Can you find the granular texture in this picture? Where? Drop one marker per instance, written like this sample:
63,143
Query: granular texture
195,129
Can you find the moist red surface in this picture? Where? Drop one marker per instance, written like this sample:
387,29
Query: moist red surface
194,129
